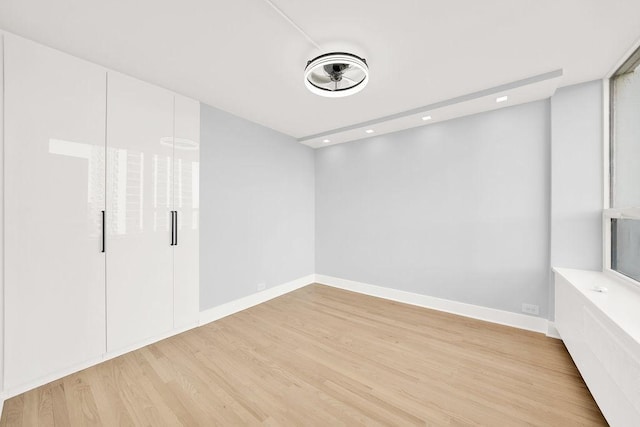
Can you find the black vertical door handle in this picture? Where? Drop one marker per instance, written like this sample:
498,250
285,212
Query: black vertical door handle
103,233
175,242
172,230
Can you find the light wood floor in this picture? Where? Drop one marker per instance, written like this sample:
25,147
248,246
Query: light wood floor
322,356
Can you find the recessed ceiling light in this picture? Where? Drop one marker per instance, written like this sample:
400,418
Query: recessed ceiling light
336,74
502,98
369,131
426,118
325,141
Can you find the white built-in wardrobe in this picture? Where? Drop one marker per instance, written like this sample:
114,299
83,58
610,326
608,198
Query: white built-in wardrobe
101,213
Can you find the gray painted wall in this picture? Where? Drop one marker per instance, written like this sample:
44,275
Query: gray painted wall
256,208
457,210
473,209
576,178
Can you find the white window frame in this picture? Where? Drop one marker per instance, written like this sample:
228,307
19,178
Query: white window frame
609,213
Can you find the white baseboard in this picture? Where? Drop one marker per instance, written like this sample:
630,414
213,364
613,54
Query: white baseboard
517,320
205,317
235,306
14,391
148,341
552,331
522,321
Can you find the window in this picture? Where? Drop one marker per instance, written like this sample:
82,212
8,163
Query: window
625,247
622,220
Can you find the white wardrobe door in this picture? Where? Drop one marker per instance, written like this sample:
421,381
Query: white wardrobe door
187,204
54,197
139,201
1,210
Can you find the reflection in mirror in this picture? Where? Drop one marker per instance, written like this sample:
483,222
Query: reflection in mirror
179,177
127,187
155,192
195,193
94,155
180,143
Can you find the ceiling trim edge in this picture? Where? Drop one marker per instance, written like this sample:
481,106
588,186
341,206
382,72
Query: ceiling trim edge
463,98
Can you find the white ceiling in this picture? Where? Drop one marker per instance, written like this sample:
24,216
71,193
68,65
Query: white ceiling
243,57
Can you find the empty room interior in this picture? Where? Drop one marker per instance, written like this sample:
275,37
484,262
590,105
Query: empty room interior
292,213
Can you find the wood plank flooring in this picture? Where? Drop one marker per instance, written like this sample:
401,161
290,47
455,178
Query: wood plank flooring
327,357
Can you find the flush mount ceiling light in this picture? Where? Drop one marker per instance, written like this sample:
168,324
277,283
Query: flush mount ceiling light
336,74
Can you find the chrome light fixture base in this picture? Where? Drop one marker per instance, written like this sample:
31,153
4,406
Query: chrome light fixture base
336,74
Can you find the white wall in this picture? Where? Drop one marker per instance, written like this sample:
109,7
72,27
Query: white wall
457,210
576,178
256,208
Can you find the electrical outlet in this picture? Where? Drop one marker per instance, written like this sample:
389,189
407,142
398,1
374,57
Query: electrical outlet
530,308
262,286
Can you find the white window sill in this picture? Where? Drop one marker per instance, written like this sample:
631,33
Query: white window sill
621,302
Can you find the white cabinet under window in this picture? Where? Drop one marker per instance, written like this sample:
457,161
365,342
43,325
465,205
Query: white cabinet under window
101,213
54,198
